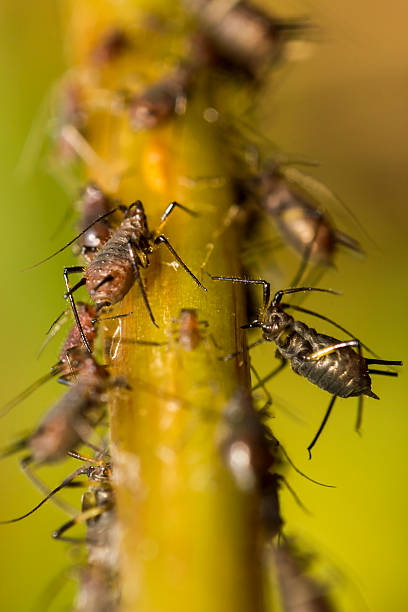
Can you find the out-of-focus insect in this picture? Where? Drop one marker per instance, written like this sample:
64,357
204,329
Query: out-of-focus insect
65,367
189,332
329,363
111,45
299,592
162,100
72,419
253,454
243,35
115,267
303,225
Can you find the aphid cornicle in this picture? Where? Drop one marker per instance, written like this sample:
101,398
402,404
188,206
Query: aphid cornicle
327,362
116,266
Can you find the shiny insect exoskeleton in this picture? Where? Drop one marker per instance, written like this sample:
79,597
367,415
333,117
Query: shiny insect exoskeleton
162,100
329,363
244,35
116,266
93,205
65,366
72,419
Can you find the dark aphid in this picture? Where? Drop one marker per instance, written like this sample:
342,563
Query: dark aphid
299,592
189,332
72,419
93,205
162,100
243,35
116,267
97,591
252,455
112,44
64,368
329,363
298,218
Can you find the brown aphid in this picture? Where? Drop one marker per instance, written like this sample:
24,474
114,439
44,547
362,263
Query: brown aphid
94,204
299,592
64,368
162,100
331,364
244,35
70,422
116,266
112,44
299,220
189,331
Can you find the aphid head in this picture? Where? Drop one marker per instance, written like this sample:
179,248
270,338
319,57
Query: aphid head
275,322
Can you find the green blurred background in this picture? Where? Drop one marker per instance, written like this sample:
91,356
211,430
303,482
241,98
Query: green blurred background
344,106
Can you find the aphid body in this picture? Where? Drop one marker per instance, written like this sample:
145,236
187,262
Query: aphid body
327,362
189,333
299,220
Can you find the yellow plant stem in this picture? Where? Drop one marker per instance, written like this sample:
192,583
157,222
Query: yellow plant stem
188,536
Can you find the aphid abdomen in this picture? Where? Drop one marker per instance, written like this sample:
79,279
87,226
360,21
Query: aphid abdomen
342,373
86,314
112,272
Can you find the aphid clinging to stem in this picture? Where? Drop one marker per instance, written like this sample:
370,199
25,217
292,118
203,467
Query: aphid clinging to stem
327,362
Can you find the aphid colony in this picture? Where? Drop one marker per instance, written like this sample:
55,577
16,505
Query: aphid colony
116,244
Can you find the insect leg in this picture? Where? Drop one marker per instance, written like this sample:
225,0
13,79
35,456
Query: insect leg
359,414
168,211
140,283
80,518
269,376
330,349
67,272
163,240
319,431
266,286
250,346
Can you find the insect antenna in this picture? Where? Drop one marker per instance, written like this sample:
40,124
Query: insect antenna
324,318
69,295
73,240
65,483
29,390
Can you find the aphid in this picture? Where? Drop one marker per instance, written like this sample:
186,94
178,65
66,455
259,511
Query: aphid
71,118
327,362
189,332
72,419
162,100
253,454
111,45
94,204
299,592
298,218
243,34
116,266
64,368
